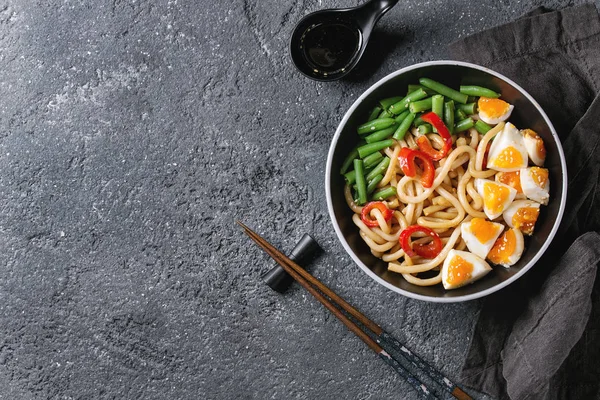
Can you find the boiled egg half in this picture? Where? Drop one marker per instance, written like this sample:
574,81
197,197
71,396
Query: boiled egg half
493,111
480,235
461,268
496,196
508,152
535,184
535,146
508,248
522,215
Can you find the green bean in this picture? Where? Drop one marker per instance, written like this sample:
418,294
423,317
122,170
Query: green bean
464,125
482,127
385,114
371,148
371,159
437,105
401,117
372,185
381,134
449,115
379,168
418,121
350,176
386,103
384,193
472,90
469,108
361,186
472,99
403,104
459,115
350,158
445,90
375,125
412,88
421,105
404,126
425,128
374,113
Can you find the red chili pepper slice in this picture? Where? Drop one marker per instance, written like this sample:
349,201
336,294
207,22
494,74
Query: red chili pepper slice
365,215
407,167
429,250
407,158
486,155
424,143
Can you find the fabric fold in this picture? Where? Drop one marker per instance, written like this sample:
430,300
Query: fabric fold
558,315
528,334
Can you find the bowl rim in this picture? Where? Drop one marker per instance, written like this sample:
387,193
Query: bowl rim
368,271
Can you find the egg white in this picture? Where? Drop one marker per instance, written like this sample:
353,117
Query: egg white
480,268
532,141
509,136
475,246
479,184
532,190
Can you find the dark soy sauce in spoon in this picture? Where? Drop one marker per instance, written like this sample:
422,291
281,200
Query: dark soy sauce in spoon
327,44
330,47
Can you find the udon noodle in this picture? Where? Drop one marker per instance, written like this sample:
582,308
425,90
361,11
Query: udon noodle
451,200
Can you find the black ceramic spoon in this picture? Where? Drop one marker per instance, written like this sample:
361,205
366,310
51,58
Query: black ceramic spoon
327,44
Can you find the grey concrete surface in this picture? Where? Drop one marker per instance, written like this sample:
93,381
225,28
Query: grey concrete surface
132,134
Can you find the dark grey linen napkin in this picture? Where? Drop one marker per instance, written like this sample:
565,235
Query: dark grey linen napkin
540,337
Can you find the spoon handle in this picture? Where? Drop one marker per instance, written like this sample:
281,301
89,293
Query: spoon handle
382,5
373,10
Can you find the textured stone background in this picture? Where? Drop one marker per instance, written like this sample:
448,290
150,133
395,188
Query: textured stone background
132,134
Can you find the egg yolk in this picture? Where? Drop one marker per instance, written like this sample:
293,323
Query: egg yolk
493,108
483,230
503,248
494,197
459,270
511,179
539,175
539,143
525,218
509,158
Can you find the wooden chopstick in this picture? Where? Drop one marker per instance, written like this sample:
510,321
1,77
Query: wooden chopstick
384,339
285,264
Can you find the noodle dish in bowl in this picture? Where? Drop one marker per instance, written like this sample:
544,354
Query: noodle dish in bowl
445,181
